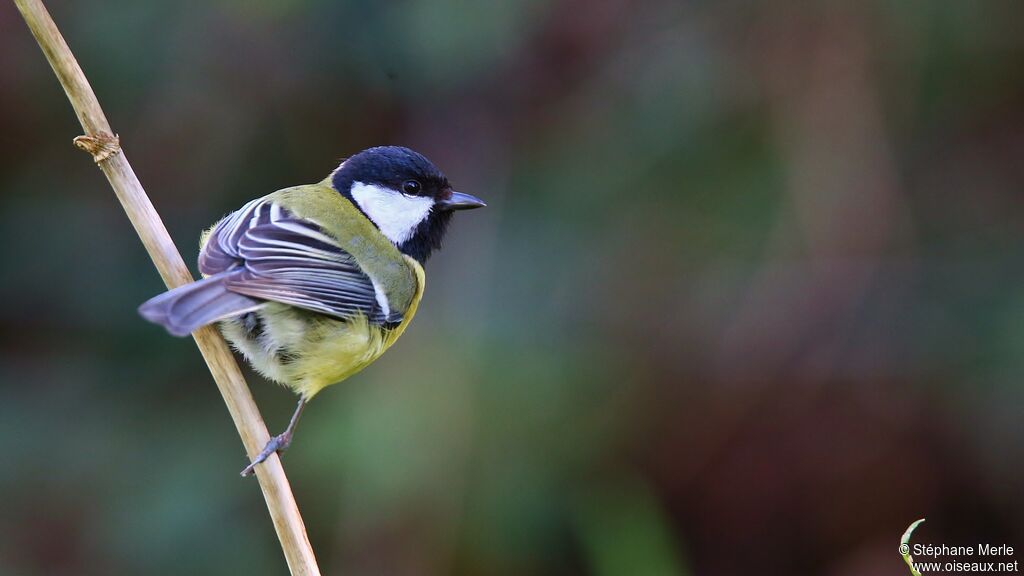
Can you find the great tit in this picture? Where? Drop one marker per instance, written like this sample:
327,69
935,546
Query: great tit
313,283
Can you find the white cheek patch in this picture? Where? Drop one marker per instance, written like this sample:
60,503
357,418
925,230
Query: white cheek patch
396,214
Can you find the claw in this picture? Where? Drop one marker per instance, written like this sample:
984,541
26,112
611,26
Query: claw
277,444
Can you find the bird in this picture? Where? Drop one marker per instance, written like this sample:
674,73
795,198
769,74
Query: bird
312,283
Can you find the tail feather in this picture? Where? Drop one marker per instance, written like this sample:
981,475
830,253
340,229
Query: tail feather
186,308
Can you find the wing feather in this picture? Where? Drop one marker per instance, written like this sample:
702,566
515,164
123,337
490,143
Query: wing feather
288,259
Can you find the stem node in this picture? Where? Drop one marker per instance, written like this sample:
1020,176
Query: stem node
101,146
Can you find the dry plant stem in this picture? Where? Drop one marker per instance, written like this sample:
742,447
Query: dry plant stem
105,148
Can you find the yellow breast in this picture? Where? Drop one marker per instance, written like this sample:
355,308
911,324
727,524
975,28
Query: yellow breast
308,352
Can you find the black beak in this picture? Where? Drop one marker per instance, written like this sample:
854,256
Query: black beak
461,201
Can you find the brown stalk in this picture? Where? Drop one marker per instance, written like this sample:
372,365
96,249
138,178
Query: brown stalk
104,145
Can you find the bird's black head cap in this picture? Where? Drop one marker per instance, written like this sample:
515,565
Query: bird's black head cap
391,166
409,173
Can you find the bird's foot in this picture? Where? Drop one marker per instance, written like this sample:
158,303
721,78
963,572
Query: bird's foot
278,444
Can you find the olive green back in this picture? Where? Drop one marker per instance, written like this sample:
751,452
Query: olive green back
372,251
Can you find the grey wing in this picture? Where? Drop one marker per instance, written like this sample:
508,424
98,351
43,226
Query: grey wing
287,259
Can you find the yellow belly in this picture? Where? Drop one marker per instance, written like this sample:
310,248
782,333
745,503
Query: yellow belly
306,351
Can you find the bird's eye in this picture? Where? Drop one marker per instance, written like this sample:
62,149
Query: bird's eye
411,187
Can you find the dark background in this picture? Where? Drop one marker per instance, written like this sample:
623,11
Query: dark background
746,300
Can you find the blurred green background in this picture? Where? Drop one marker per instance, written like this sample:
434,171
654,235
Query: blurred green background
747,298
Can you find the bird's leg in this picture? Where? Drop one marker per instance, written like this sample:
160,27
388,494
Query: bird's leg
278,443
